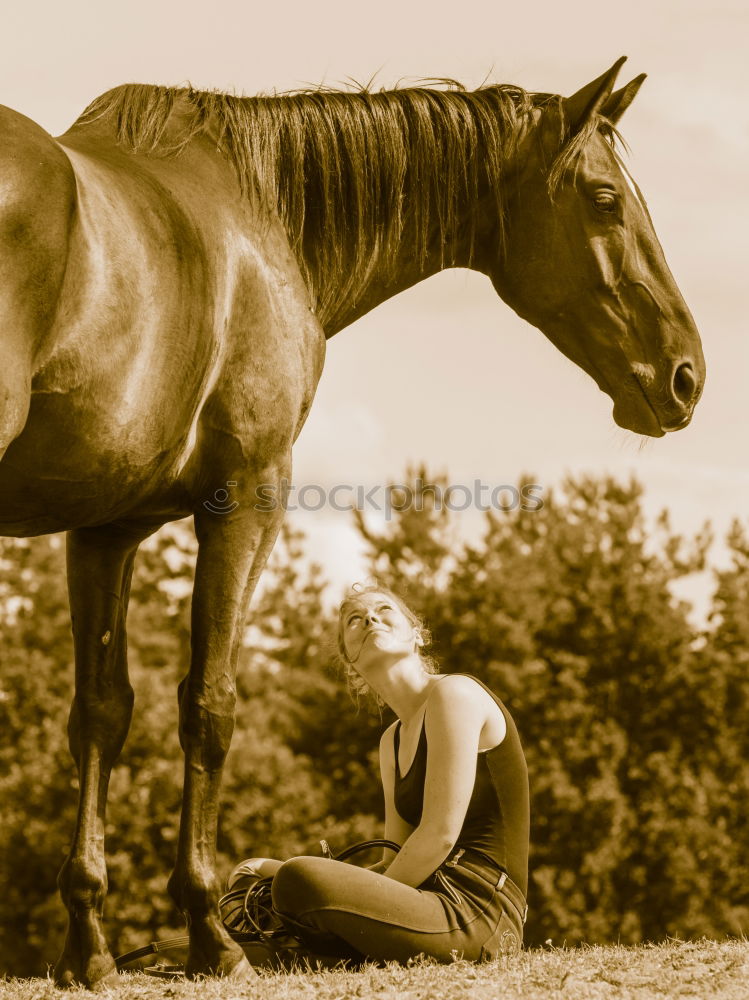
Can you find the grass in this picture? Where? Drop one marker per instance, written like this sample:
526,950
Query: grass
703,969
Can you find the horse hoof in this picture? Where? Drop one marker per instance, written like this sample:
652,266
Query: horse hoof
95,980
242,972
111,980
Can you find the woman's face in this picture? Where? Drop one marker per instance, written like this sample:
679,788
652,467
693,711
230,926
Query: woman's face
374,624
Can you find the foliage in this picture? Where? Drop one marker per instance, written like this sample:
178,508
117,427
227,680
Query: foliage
635,726
638,766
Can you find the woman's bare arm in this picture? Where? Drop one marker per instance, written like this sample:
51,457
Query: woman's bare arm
454,717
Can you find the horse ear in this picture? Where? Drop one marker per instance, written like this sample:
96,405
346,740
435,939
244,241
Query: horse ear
620,100
589,101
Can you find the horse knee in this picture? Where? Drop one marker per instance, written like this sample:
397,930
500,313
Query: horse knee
194,888
206,727
101,719
82,881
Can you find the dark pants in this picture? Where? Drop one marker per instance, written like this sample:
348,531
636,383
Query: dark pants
462,911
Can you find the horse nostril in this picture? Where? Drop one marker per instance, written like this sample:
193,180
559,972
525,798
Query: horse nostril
684,383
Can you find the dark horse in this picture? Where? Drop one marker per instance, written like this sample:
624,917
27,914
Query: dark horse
171,269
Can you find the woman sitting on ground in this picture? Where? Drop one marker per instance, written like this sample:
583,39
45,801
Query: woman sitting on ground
456,802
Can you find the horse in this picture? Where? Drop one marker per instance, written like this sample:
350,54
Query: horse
172,267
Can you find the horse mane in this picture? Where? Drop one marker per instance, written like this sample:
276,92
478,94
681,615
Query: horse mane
340,167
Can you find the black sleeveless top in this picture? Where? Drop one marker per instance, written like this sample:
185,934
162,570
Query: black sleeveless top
497,822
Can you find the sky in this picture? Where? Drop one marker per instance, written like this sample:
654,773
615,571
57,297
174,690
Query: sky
445,373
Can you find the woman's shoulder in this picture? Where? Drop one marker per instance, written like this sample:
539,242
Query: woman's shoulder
457,692
463,686
461,700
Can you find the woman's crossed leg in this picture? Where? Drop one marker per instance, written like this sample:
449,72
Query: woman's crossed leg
339,909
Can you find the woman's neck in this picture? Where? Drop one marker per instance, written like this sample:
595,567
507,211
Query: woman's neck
404,686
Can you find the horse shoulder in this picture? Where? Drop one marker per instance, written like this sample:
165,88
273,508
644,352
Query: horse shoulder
275,343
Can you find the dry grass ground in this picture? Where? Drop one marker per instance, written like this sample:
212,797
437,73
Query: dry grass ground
705,969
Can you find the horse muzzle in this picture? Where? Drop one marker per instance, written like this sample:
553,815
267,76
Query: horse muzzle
657,406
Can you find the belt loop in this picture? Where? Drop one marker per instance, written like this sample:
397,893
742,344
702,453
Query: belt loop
502,880
456,858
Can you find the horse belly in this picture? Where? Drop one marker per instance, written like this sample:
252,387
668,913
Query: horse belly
63,472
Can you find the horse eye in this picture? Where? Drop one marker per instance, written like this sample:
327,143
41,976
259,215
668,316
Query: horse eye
605,202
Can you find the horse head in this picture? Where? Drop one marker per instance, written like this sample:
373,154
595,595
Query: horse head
581,261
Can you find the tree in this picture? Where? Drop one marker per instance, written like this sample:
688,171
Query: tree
290,780
317,776
720,739
567,612
634,725
36,772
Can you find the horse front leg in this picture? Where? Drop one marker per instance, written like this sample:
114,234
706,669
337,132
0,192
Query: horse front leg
100,565
233,548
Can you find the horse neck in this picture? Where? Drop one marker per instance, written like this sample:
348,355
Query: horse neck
376,191
343,302
367,237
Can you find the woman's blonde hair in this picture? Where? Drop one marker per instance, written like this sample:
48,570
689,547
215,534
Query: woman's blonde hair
357,686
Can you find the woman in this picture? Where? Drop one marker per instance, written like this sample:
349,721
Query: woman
456,801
